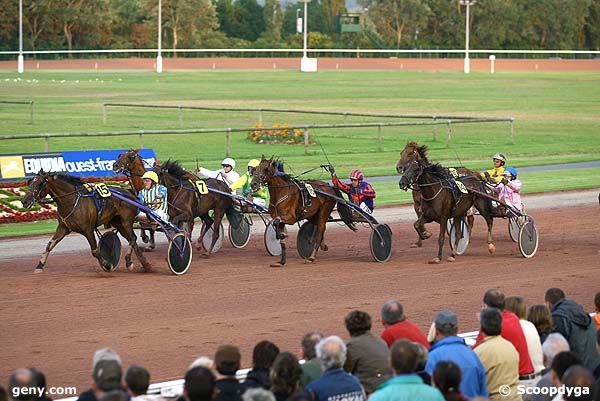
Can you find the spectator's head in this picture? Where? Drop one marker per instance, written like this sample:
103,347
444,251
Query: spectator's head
582,382
113,395
357,323
446,378
553,296
494,298
137,380
517,305
20,383
105,354
392,312
446,324
203,361
561,362
541,317
331,352
491,322
404,357
554,345
199,384
258,394
263,355
39,378
309,342
107,375
228,359
422,355
286,374
597,302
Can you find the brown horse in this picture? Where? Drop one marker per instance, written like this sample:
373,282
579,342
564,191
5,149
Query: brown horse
131,165
286,205
77,212
438,203
186,202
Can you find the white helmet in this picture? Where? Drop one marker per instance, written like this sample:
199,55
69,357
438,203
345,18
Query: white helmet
229,162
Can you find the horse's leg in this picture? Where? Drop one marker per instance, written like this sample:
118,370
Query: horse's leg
457,225
207,223
282,236
217,218
91,238
321,225
59,234
490,224
127,232
152,244
441,238
144,236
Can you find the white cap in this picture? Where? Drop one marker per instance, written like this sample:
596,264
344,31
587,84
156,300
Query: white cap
228,161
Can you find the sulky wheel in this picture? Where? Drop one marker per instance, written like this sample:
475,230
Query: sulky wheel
110,251
179,254
528,238
381,243
239,236
305,242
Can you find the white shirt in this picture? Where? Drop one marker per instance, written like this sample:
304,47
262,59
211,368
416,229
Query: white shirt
534,345
227,178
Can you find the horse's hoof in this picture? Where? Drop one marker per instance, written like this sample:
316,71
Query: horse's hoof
205,255
491,248
415,245
451,259
38,270
276,265
435,261
325,248
426,234
147,268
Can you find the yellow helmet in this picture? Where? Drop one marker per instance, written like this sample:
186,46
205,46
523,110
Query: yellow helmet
253,163
151,175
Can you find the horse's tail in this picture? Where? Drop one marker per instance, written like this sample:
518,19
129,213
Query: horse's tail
345,211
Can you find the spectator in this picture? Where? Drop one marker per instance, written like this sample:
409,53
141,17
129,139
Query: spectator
498,356
554,344
203,361
263,355
449,347
199,384
422,357
334,384
227,363
258,394
398,327
561,363
406,385
597,310
511,331
114,395
447,379
40,382
578,377
20,383
3,395
311,369
137,381
576,326
541,318
517,306
103,354
368,355
285,376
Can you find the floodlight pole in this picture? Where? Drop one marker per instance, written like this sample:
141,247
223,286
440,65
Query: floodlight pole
159,60
467,63
20,61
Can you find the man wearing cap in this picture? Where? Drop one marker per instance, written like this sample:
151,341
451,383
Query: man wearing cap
103,356
107,377
153,195
449,347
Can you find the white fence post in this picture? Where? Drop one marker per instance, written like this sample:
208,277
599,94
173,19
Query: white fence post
180,115
103,113
434,128
305,134
448,132
511,131
228,142
31,112
379,139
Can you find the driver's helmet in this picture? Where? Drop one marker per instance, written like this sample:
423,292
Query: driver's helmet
512,171
499,156
356,174
151,175
228,161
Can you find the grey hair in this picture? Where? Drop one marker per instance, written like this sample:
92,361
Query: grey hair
203,361
105,354
555,344
258,394
392,312
331,352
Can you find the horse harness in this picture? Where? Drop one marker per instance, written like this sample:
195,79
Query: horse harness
306,191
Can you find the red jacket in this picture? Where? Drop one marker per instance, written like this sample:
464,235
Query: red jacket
404,329
512,332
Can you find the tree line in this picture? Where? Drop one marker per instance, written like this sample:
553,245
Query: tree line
386,24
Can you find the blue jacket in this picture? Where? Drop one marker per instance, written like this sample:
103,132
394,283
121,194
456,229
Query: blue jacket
335,385
406,388
454,349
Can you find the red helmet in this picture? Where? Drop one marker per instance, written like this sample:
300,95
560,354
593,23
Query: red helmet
356,174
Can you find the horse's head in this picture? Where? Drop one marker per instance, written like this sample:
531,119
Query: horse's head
265,170
126,162
413,159
37,189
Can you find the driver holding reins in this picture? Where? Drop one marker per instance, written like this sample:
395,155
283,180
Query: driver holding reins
361,193
153,195
227,174
494,175
260,196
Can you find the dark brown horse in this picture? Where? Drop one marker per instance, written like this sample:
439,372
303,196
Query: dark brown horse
438,202
77,212
132,166
186,202
286,205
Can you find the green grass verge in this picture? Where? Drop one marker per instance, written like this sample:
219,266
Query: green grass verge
24,229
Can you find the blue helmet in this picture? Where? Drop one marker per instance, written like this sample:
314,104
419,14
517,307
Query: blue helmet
512,171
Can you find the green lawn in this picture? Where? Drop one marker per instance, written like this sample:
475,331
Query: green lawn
557,116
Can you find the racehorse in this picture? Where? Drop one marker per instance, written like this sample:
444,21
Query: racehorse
286,204
131,165
77,212
186,202
438,203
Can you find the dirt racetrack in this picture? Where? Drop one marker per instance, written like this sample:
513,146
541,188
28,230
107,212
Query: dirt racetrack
56,320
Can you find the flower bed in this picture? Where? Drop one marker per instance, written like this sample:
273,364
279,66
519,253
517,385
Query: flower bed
12,210
280,135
